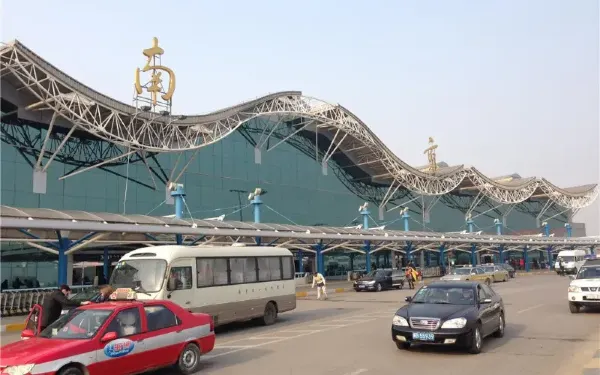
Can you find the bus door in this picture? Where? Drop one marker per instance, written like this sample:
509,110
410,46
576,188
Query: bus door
180,284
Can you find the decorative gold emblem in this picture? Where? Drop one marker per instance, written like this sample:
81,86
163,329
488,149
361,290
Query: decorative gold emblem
430,151
155,85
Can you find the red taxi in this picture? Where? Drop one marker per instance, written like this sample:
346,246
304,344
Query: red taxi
123,336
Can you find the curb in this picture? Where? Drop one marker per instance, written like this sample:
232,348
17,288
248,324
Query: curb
14,327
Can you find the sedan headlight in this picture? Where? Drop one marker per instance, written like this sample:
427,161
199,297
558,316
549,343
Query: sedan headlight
574,289
19,369
371,282
454,323
399,321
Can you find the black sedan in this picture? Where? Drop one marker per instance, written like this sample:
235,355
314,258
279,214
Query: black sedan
509,268
450,313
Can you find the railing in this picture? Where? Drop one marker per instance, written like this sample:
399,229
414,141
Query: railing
19,301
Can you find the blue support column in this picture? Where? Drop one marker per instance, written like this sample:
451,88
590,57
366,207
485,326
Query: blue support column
569,229
106,265
526,259
428,259
365,215
178,195
300,256
352,261
546,229
473,246
442,257
408,252
592,250
63,245
256,202
498,224
319,258
405,218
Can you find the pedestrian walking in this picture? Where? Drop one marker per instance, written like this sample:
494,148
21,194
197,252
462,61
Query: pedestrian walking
319,281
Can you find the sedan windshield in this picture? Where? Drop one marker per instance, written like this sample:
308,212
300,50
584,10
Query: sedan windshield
374,274
144,275
488,269
77,324
461,271
445,295
590,272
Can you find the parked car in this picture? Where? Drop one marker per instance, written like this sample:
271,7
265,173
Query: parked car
510,269
379,280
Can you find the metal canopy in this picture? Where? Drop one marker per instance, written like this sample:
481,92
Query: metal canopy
35,224
42,89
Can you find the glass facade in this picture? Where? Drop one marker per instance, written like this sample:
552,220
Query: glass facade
217,182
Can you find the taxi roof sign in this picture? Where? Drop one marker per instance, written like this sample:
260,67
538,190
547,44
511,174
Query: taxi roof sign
123,294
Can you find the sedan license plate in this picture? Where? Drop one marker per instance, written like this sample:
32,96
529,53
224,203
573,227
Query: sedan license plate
423,336
593,296
361,286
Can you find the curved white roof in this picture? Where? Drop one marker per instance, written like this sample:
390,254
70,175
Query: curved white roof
114,121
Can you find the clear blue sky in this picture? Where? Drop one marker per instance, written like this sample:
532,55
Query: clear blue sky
505,85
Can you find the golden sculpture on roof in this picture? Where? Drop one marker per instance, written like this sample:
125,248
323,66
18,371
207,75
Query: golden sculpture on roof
430,151
155,85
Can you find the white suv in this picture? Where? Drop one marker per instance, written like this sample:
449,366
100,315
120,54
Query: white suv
584,289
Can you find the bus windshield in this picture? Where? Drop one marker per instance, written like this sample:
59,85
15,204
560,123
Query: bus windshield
143,275
566,258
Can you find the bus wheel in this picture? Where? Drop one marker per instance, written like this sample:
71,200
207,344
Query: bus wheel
270,315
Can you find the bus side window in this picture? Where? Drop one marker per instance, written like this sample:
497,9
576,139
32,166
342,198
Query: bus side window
182,277
288,267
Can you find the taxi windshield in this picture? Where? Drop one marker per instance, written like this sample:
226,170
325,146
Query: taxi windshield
589,272
461,271
76,324
445,295
143,275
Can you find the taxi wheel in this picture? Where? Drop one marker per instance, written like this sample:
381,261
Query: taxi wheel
476,340
574,308
71,370
270,315
189,359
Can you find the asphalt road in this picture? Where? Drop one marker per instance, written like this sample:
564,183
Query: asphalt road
349,334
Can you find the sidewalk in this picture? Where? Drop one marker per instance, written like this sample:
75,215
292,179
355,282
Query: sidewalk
12,323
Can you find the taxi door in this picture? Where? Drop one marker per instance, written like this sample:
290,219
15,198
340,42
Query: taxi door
125,354
34,320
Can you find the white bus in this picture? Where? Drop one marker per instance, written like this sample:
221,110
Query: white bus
231,283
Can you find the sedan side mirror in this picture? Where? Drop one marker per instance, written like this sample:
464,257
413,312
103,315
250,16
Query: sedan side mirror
27,333
572,277
486,301
408,299
109,336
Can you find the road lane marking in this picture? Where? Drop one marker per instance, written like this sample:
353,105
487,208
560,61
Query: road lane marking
267,338
529,309
239,348
362,370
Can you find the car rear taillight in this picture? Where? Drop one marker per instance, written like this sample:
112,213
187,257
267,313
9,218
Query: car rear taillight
212,324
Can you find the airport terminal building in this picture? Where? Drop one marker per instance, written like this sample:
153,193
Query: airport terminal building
310,174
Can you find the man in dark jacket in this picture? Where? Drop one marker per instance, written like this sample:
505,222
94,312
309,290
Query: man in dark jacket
55,303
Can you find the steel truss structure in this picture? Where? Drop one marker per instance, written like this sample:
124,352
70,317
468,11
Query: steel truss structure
39,227
42,88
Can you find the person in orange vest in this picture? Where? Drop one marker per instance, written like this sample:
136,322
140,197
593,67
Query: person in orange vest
411,276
